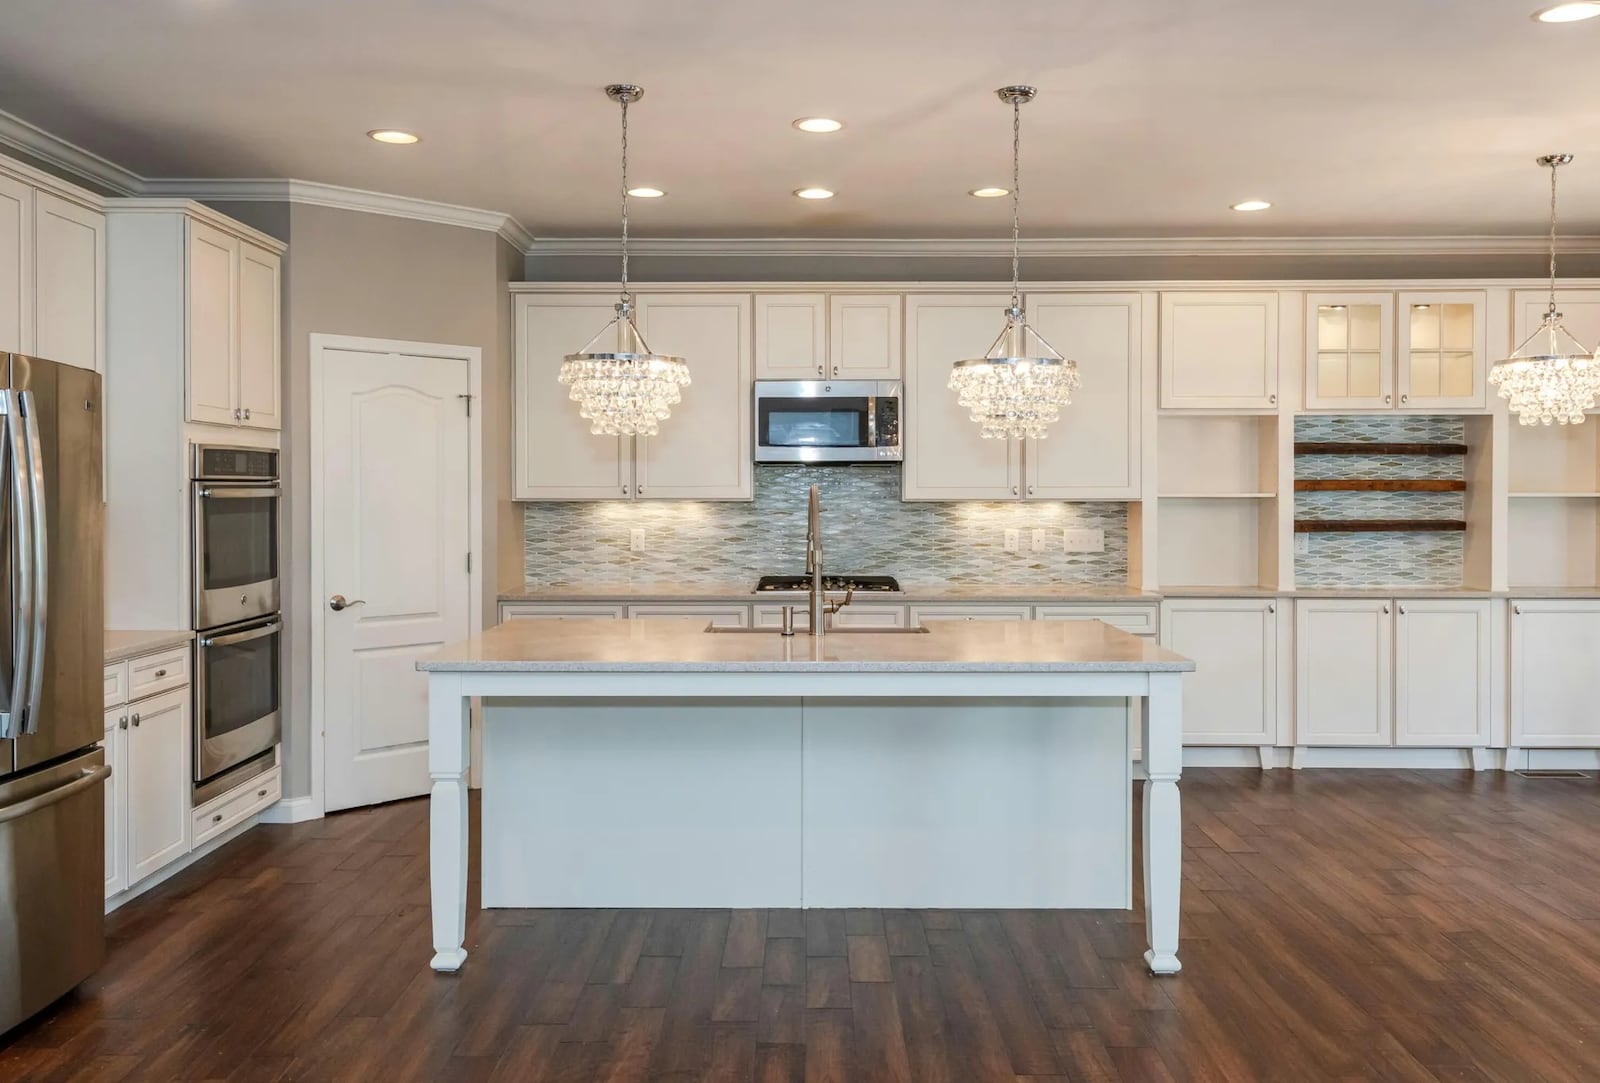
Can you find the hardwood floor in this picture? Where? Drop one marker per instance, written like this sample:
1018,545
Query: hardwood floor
1338,925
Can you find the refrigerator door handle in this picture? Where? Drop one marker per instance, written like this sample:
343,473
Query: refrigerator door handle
18,540
41,562
44,800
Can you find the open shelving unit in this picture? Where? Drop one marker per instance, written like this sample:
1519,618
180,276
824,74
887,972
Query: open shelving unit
1391,450
1553,516
1218,496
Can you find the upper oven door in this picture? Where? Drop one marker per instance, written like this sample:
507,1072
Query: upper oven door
817,421
235,552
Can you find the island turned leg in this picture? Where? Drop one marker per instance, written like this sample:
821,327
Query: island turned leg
1163,829
448,715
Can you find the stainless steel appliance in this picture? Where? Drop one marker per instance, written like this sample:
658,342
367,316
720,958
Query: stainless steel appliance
235,493
827,421
236,703
799,584
52,793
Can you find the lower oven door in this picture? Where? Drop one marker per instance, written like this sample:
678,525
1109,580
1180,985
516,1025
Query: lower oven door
236,710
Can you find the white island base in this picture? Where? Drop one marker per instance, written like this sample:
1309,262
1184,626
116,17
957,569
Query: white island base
964,769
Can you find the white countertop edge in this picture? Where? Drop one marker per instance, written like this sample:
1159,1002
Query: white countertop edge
802,667
1041,596
122,644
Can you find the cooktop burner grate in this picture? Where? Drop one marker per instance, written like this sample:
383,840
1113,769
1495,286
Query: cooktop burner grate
860,583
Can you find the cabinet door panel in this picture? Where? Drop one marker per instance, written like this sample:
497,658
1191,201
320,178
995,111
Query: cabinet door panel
16,244
213,298
1232,696
1580,313
703,450
947,457
1555,683
1343,672
1442,360
922,613
1349,351
158,785
1219,351
1441,684
864,337
1092,453
259,331
791,336
557,457
723,616
69,282
115,745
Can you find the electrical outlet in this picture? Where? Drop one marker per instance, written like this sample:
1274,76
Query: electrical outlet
1302,543
1013,540
1083,540
1041,540
639,540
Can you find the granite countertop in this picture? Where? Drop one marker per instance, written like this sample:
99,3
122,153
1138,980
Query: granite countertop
741,592
684,645
123,643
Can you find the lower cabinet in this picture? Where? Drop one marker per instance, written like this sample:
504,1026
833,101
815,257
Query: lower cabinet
548,610
1443,662
921,613
1555,681
156,784
1344,651
854,615
723,616
1232,696
116,750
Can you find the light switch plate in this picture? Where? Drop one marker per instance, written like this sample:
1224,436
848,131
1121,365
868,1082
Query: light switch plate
1083,540
1013,540
1041,540
638,539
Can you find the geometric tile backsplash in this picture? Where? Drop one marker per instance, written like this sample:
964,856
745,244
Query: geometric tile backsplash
1386,558
866,529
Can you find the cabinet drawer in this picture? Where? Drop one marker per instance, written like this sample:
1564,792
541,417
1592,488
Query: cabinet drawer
1141,620
154,673
538,610
116,684
854,615
221,813
723,616
923,613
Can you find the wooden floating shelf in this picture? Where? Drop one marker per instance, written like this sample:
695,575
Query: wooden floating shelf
1377,526
1378,485
1380,449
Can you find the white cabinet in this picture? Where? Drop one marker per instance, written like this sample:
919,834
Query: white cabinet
116,751
791,336
854,615
1412,350
557,610
1139,620
864,336
1580,313
1232,696
16,265
1343,672
1443,667
920,614
230,809
947,457
233,329
1555,683
1092,453
722,616
1349,351
69,282
156,782
1219,350
1443,354
703,451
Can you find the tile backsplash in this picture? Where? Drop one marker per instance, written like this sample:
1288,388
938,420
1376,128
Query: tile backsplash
867,529
1390,558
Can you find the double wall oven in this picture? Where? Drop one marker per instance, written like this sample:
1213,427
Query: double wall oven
238,630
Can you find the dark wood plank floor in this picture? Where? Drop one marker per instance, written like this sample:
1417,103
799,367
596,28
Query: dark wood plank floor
1337,925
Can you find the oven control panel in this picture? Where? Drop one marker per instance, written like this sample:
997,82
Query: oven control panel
215,463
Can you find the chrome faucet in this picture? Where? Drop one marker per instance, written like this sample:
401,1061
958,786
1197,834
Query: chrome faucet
818,605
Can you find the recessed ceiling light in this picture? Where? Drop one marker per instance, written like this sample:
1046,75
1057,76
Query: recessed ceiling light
813,193
646,193
989,193
393,135
1251,205
1569,13
818,125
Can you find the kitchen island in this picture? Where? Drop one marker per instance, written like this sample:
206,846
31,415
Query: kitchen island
657,763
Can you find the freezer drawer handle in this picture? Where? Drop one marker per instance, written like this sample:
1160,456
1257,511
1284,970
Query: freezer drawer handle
60,793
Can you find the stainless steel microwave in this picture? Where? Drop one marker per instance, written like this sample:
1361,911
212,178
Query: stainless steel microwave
827,421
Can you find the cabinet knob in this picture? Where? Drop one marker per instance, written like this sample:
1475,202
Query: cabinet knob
624,490
1517,609
1271,608
1388,399
161,673
821,371
641,490
1014,491
122,723
836,370
136,718
1272,400
261,793
1404,399
1030,490
247,413
1386,609
1402,611
216,817
238,415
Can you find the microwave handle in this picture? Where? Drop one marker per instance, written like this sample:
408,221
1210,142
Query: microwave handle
242,637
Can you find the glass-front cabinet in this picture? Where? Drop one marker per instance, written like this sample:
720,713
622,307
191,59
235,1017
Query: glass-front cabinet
1349,351
1410,350
1442,350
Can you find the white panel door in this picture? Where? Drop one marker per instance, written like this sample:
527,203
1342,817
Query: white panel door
703,451
394,508
1092,453
557,457
791,336
1344,690
1219,351
259,331
1555,683
864,336
946,456
1442,672
213,298
1232,696
16,266
157,783
69,282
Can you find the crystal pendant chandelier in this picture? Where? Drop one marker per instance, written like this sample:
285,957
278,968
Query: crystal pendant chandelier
1550,377
1013,391
631,389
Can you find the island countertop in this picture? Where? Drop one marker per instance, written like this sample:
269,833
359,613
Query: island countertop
684,645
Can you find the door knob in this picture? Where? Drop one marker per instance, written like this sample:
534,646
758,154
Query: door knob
338,603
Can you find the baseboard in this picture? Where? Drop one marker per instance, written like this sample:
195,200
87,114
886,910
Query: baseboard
1409,759
155,879
291,810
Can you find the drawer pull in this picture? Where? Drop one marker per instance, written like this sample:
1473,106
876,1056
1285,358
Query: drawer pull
161,673
261,793
216,817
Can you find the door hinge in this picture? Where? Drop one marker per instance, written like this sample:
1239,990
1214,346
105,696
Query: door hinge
469,563
468,399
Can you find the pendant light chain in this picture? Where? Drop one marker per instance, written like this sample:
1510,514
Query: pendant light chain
1555,164
1016,202
625,100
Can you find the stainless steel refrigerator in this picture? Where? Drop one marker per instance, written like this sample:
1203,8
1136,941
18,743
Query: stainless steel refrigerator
52,656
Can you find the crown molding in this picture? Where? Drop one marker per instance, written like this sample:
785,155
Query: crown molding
1052,247
70,158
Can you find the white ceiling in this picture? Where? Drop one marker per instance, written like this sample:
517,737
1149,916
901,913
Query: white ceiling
1363,117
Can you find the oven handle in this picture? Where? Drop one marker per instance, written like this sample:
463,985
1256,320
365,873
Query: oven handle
242,637
241,492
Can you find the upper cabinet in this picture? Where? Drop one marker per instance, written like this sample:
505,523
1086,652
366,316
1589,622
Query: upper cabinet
1580,313
1219,351
52,269
1381,350
815,336
234,329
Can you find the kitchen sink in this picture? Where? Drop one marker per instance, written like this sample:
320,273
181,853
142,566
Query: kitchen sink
802,634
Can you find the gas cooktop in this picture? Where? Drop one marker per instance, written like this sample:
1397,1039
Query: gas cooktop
859,583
